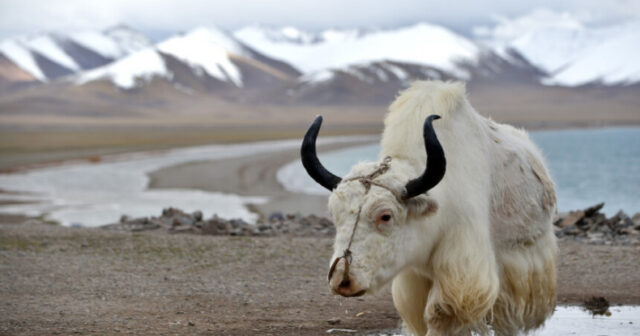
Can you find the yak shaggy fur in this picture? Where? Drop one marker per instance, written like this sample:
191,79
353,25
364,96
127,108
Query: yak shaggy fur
475,253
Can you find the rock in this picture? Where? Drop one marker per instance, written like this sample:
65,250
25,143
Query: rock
185,229
598,219
590,211
597,305
182,220
571,231
573,218
276,217
588,226
593,227
197,216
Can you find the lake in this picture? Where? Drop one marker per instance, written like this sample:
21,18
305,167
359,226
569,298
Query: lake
588,165
92,194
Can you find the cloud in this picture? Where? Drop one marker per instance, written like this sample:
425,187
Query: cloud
29,16
506,29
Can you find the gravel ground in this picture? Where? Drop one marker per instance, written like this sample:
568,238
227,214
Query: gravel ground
57,280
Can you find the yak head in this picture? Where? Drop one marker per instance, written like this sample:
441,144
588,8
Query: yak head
379,210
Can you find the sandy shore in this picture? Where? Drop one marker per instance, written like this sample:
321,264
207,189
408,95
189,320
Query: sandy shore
58,280
248,176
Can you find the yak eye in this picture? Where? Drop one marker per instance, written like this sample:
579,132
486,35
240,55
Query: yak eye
384,217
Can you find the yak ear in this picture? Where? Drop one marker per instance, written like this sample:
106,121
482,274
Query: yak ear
420,206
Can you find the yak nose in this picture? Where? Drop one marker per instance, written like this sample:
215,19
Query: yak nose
342,283
347,288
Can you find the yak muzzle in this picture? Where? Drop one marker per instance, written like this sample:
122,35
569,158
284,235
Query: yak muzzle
342,281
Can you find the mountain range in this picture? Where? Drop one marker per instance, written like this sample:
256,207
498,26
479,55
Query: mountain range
286,65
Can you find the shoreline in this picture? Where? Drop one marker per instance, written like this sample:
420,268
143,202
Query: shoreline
253,176
124,188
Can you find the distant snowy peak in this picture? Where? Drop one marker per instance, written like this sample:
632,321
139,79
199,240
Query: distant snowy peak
48,56
128,39
423,44
130,71
208,49
570,52
112,43
614,61
204,58
571,57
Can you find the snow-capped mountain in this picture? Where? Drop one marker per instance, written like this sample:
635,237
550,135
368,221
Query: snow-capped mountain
208,51
289,65
49,56
355,66
425,44
205,57
570,52
612,61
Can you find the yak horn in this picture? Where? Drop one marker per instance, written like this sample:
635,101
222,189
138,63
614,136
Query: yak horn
310,161
436,163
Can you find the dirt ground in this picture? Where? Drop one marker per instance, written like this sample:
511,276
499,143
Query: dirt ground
57,280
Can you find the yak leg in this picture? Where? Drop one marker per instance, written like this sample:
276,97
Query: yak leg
439,317
410,292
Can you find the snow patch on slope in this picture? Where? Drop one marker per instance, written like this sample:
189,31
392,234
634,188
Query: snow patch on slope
112,43
397,71
208,49
22,57
421,43
612,62
98,42
127,72
567,49
547,39
317,77
49,47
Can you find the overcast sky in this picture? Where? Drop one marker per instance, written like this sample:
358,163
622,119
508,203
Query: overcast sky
159,17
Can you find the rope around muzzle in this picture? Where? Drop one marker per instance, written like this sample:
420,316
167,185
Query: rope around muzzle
367,181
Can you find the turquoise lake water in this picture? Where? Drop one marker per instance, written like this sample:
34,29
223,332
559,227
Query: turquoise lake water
588,165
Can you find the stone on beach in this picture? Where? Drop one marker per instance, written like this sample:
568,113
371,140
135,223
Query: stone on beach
593,227
174,220
588,225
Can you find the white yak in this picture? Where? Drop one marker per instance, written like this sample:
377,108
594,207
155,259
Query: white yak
467,240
